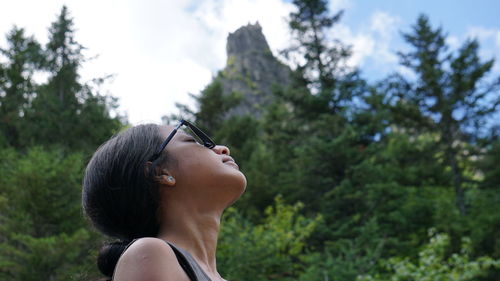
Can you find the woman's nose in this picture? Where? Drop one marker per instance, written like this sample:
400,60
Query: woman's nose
221,149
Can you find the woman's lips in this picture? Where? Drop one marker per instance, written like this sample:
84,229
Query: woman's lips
230,161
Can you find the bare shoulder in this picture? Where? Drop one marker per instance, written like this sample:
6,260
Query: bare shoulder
149,259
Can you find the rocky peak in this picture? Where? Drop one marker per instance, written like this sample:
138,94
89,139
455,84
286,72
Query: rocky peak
251,70
245,40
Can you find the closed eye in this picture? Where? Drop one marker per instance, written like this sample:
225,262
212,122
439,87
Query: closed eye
191,139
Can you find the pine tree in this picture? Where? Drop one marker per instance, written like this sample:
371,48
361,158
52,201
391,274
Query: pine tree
308,127
66,111
23,58
320,59
43,235
451,96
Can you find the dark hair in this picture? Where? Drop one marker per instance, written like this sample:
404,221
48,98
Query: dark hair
119,196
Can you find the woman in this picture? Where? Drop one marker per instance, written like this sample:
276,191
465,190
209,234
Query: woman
161,192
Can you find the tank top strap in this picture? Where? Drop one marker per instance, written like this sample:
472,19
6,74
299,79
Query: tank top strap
186,261
189,264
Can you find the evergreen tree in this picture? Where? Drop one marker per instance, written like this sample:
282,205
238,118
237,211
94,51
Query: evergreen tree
375,162
484,219
451,96
213,106
307,130
65,111
17,88
43,235
321,60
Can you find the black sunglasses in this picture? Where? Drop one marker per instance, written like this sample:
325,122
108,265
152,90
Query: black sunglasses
204,139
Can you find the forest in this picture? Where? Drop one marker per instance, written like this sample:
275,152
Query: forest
397,179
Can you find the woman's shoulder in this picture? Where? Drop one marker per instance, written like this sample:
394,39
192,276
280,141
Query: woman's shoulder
149,259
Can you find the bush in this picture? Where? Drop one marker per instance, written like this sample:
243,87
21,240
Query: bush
266,251
433,264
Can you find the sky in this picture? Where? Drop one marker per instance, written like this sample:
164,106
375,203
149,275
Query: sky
160,51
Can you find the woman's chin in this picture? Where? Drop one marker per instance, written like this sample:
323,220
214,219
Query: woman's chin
238,189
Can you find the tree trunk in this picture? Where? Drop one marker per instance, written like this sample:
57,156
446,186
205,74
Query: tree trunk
457,183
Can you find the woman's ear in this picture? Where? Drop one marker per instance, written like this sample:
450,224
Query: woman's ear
165,178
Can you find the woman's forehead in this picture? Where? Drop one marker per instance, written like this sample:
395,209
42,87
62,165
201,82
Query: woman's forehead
165,130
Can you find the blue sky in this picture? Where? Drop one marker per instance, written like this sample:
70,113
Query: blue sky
162,50
455,15
459,19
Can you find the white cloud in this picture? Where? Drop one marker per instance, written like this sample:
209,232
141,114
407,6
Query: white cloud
372,41
337,5
384,24
453,42
362,43
225,16
406,72
482,33
385,27
162,50
159,50
489,41
363,47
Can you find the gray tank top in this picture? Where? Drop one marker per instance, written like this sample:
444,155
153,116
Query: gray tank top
187,262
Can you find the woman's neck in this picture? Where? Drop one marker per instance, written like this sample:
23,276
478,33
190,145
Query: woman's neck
195,231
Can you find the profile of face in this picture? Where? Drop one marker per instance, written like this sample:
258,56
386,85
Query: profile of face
145,183
206,177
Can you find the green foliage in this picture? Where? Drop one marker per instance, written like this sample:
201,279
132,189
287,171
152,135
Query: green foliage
268,250
213,106
57,257
47,179
483,224
241,141
60,111
42,233
386,168
435,263
323,66
490,168
453,96
23,57
374,167
344,259
398,184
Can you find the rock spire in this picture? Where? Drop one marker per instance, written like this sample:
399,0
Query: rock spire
251,70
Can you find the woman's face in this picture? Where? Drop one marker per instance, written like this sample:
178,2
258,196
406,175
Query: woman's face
204,173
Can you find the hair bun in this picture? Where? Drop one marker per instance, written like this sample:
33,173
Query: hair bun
109,255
